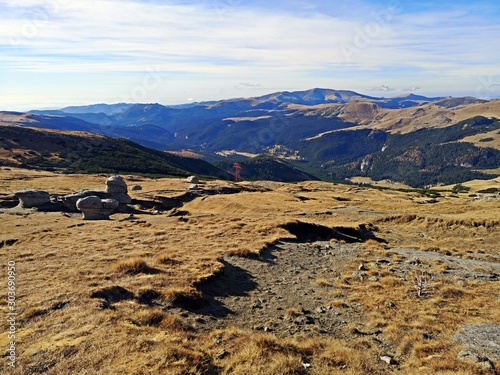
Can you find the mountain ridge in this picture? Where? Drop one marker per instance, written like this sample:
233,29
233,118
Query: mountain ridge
334,133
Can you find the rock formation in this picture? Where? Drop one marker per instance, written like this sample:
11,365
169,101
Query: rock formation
117,188
95,208
193,180
70,200
32,198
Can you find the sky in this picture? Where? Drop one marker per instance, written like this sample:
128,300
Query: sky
55,53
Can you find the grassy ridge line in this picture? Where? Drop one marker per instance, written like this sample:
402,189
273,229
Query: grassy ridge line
89,153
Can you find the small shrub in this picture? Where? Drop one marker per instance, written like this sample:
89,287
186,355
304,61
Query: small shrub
151,318
423,283
132,266
459,188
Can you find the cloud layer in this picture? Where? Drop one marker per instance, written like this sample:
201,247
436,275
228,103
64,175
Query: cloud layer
206,49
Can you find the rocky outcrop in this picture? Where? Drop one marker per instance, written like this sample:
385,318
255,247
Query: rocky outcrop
117,189
483,344
32,198
95,208
484,339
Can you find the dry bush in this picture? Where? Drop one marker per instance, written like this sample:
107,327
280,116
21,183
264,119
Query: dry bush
150,317
132,266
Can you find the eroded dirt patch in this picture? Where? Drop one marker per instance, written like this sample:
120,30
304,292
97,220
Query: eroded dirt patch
286,291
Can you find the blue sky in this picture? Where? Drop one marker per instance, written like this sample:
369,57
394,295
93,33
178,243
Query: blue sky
55,53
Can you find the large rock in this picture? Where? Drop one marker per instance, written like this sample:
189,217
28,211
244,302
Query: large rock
117,188
70,200
32,198
116,184
193,180
95,208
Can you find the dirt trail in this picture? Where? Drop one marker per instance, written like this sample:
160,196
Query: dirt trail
287,291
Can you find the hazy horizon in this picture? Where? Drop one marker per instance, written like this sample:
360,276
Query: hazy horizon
61,53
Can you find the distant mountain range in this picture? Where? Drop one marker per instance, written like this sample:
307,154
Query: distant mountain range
322,133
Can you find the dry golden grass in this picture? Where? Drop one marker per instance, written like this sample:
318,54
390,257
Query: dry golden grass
405,120
62,261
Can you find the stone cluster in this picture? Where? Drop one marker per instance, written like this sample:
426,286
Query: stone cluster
94,204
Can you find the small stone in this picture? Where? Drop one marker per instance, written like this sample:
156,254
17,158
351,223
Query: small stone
359,275
193,187
136,187
221,355
373,278
414,261
389,304
387,359
428,335
362,267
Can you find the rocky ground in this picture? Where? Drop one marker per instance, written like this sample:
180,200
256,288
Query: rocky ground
288,290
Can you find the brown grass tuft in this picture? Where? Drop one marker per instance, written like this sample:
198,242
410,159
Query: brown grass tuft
133,266
151,318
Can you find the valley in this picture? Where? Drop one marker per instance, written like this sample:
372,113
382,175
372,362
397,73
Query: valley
323,134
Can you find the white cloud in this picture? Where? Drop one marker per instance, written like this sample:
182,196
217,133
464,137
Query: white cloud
411,89
282,45
382,88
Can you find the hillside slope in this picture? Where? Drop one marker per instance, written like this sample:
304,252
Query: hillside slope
87,152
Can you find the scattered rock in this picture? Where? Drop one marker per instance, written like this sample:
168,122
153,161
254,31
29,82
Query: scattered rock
193,187
414,261
95,208
320,310
32,198
193,180
221,355
470,357
359,275
388,359
389,304
373,278
136,187
362,267
428,335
